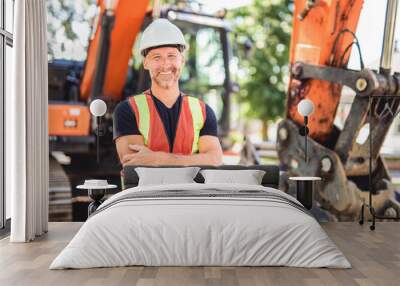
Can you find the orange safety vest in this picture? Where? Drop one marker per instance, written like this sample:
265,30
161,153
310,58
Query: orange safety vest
190,121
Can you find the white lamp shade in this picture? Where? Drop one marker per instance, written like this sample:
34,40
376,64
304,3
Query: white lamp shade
98,107
305,107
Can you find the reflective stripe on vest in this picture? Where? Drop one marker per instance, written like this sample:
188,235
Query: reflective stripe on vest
190,122
198,121
144,116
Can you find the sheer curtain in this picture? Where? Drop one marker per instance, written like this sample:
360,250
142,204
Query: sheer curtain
26,124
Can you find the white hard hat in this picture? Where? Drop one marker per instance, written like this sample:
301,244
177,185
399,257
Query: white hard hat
161,32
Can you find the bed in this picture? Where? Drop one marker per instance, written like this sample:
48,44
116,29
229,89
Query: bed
201,224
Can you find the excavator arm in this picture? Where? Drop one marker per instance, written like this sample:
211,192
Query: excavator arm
323,36
111,53
318,38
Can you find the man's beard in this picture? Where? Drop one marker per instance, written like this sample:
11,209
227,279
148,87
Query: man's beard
166,81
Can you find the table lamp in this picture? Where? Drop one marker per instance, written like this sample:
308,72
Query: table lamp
98,108
305,108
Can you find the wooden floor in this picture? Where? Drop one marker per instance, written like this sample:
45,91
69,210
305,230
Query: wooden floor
375,257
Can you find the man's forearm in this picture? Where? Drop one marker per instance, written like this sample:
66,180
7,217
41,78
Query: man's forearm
195,159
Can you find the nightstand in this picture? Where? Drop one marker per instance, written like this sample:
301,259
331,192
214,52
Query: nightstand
305,190
96,191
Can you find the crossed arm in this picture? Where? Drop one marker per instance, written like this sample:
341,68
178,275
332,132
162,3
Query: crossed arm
131,151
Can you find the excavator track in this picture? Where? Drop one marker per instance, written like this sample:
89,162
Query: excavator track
60,198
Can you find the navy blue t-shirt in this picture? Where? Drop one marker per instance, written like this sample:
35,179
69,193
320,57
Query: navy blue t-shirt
125,121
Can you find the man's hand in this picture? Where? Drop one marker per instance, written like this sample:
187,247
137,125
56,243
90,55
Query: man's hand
142,156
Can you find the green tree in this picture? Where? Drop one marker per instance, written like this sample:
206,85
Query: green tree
68,27
266,26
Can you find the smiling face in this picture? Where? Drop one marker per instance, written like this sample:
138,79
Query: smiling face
164,65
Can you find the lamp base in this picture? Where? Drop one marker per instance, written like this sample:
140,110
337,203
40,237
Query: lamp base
305,193
303,130
97,196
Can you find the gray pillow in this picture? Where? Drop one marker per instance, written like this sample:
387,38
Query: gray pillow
248,177
163,176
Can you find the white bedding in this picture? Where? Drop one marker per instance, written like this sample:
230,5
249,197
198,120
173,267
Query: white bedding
185,230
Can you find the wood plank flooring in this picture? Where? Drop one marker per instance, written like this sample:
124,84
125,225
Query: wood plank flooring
375,257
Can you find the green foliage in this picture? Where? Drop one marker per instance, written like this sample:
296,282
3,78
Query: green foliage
65,20
263,71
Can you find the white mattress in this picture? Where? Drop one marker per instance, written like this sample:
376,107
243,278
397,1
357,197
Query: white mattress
183,230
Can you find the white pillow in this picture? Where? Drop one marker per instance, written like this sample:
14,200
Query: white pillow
163,176
248,177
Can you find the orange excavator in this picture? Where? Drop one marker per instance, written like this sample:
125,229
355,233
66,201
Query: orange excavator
112,72
352,177
322,39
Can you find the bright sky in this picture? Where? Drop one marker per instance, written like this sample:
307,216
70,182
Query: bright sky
370,33
213,5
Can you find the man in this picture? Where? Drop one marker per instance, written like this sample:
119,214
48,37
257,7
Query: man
162,126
